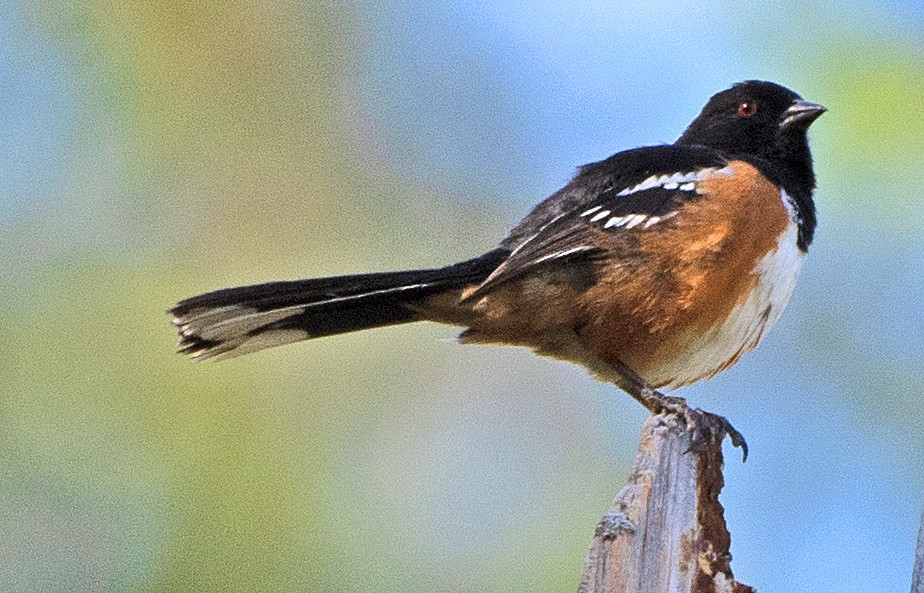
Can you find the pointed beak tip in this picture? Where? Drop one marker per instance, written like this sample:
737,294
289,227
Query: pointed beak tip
802,111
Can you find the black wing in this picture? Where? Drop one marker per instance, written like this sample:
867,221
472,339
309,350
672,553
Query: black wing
628,192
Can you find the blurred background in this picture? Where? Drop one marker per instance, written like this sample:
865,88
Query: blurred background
149,151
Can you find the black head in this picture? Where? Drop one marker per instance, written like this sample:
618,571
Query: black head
754,118
765,123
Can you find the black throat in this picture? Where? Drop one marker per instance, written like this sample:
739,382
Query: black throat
789,165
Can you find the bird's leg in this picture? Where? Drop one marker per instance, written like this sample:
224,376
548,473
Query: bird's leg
705,426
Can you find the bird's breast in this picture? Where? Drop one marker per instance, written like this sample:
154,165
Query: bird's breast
700,355
703,290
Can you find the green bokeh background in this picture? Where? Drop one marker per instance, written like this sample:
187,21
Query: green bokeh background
159,149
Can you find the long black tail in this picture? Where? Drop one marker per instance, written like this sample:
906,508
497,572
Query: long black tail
236,321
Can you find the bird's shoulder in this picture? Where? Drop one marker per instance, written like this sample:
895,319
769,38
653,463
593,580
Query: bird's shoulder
625,194
642,181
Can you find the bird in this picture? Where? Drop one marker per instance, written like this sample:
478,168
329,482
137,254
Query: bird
655,268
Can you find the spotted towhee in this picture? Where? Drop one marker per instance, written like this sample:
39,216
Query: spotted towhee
654,268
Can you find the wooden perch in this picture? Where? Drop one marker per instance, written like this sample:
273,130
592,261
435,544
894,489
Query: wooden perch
665,532
917,577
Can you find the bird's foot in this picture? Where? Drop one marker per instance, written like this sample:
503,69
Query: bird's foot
704,426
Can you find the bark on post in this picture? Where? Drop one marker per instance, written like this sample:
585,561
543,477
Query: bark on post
665,532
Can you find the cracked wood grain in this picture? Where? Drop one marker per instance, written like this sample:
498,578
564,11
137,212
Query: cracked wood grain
665,532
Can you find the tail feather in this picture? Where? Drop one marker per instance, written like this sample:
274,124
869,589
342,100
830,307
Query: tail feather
235,321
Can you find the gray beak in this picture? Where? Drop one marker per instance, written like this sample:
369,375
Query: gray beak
801,112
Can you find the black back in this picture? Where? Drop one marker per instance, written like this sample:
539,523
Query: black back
751,121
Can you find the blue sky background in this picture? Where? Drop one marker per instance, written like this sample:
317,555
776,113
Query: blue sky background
151,152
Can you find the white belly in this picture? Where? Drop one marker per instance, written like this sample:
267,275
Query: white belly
750,320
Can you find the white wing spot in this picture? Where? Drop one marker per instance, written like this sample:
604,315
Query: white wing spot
617,221
633,220
682,181
636,220
675,181
560,254
649,183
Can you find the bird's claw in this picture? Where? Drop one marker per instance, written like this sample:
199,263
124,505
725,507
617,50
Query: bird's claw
704,426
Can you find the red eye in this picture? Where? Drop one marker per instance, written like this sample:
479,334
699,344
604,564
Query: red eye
747,108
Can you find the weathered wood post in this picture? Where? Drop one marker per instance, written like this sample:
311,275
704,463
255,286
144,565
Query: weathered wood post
665,532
